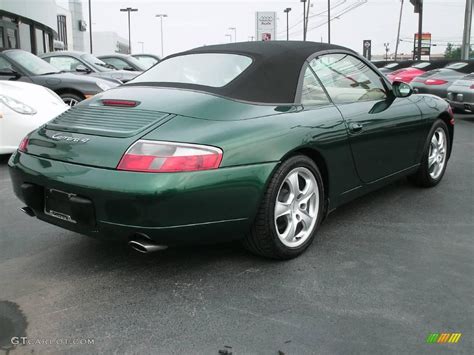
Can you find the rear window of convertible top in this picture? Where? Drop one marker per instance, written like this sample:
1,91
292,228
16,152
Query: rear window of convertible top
208,69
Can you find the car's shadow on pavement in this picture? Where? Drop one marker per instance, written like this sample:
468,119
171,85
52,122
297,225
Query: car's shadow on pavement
79,256
4,159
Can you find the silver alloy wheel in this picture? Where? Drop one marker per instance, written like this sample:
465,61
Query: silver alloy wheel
296,207
70,101
437,153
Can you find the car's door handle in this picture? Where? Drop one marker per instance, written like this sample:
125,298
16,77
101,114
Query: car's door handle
355,127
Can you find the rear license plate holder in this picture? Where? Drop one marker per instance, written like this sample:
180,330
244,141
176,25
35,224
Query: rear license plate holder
57,204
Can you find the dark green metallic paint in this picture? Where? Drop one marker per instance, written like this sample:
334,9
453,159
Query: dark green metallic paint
221,204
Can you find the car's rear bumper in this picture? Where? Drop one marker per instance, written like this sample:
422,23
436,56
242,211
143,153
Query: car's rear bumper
171,208
463,106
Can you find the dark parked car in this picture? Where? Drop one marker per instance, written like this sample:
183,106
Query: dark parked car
255,140
85,63
438,81
461,94
148,60
396,65
123,62
16,64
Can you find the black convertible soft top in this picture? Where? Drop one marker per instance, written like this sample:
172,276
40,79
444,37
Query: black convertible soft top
273,75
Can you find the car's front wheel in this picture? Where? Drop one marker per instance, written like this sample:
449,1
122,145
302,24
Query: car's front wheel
291,211
435,157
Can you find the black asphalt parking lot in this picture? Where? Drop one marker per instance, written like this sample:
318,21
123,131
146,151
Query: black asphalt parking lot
385,272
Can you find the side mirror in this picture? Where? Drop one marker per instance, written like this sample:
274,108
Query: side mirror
10,72
401,89
128,68
81,68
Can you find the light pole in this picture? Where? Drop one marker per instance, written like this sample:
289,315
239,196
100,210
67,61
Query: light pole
329,21
230,37
304,19
161,19
90,26
287,11
251,38
129,9
387,49
235,32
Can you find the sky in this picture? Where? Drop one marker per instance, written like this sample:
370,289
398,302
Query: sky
194,23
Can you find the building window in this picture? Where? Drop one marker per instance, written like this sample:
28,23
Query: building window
12,38
62,30
39,41
25,36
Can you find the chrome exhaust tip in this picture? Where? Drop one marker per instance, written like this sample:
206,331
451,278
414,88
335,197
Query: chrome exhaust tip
143,244
28,211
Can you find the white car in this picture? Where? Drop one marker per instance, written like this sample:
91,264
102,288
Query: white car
23,108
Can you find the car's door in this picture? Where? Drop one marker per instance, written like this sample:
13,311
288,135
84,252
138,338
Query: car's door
384,132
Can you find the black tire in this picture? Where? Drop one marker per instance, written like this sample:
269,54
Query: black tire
71,99
263,239
422,177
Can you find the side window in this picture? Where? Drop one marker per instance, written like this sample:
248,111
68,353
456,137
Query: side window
117,63
312,93
5,66
64,63
347,79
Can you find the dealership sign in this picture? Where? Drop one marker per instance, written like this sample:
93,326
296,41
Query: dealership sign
265,25
425,45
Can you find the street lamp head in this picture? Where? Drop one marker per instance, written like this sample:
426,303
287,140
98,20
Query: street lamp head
288,9
231,28
128,9
161,15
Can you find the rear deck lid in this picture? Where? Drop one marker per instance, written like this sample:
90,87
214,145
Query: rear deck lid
94,135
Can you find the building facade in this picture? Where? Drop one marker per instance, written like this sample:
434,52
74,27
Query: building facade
42,26
107,42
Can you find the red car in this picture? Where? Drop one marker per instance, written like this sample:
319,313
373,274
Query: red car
406,75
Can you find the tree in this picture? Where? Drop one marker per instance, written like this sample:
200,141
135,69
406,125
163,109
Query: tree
452,52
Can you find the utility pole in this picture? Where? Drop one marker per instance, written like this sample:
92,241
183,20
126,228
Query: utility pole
287,11
90,26
161,20
307,17
329,21
304,19
235,32
466,39
419,10
399,27
129,9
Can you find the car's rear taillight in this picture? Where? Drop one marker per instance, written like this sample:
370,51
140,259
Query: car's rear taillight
435,82
167,157
23,147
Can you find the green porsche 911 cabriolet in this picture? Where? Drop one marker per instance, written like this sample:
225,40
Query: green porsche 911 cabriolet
256,141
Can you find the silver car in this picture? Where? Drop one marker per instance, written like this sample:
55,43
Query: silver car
461,94
438,81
